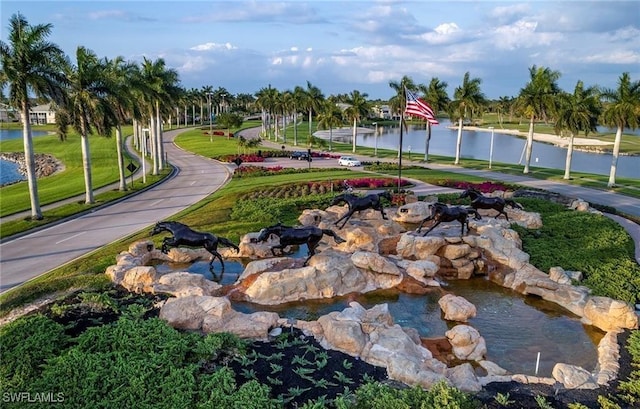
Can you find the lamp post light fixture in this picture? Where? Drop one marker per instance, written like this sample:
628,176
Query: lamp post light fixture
210,117
409,148
491,148
375,149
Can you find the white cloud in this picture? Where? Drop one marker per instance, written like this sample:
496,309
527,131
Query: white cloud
522,34
212,46
613,57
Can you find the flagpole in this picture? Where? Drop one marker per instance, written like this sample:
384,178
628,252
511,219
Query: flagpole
400,153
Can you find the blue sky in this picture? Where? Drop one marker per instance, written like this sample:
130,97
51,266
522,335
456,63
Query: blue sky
244,46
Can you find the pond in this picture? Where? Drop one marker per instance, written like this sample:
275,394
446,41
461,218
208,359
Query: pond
514,327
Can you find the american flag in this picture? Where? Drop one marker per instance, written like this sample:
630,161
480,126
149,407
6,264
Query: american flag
417,107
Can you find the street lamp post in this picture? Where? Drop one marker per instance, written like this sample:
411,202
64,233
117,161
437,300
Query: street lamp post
491,148
409,148
375,149
210,117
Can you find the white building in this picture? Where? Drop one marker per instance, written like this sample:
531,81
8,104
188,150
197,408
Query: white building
41,115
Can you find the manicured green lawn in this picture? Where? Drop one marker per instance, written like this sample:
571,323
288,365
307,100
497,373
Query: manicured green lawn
68,183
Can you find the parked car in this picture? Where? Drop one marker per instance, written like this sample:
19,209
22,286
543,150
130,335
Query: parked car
300,155
348,161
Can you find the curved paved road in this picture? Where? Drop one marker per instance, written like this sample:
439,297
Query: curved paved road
34,254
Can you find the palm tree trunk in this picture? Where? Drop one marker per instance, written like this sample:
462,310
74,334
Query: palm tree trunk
154,144
123,182
159,137
295,129
567,166
614,161
458,142
30,163
310,123
426,145
529,146
86,166
355,135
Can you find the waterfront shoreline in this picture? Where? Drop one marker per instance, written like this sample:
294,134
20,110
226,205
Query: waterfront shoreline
46,165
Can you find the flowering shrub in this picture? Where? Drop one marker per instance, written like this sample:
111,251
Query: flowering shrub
484,187
251,157
376,183
219,133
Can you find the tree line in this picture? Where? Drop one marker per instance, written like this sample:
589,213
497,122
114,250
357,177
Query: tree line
96,95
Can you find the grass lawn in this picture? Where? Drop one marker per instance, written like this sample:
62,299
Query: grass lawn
68,183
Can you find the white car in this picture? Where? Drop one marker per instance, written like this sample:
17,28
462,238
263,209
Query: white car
348,161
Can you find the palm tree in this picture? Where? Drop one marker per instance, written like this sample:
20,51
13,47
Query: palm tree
299,97
160,91
30,63
123,102
536,100
577,112
313,102
265,100
358,107
503,105
468,98
436,96
329,117
205,95
87,107
621,110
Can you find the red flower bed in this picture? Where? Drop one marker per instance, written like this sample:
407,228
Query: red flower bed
484,187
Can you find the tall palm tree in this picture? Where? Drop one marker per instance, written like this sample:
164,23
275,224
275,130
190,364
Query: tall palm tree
577,112
468,98
358,108
436,96
87,107
503,105
299,97
266,100
161,89
313,102
329,117
205,96
622,109
537,100
122,100
31,63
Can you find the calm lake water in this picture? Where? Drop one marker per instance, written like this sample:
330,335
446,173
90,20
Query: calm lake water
506,149
9,170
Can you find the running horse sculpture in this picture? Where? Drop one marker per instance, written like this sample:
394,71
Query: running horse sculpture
357,203
184,236
479,201
440,212
309,235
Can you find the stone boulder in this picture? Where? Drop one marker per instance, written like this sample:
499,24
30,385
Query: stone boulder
456,308
610,315
414,247
573,377
464,378
412,212
214,314
183,284
139,279
372,336
467,343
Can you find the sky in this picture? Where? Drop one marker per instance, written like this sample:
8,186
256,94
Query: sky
341,46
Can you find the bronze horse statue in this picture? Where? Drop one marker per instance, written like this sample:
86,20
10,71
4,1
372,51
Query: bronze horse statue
358,203
479,201
309,235
184,236
346,197
440,212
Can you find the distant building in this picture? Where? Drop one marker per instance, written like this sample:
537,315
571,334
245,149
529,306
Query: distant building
382,111
8,114
41,115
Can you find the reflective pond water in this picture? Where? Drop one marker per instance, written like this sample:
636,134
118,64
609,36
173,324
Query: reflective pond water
515,327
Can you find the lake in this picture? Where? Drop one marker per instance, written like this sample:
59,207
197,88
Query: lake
506,149
9,170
